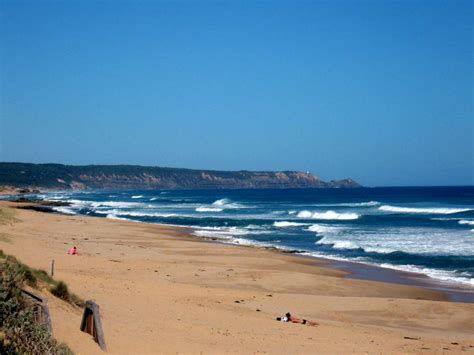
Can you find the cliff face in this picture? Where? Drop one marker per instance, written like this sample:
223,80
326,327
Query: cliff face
57,176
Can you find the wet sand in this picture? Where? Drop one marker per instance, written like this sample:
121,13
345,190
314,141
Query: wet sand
161,291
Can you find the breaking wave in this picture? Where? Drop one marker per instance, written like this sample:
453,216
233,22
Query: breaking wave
350,204
434,210
65,210
226,204
116,204
116,213
338,244
112,216
323,229
209,209
219,206
284,224
423,236
327,215
225,232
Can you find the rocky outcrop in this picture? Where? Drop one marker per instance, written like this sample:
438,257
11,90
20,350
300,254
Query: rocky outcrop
59,176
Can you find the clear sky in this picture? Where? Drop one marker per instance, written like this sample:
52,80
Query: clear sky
379,91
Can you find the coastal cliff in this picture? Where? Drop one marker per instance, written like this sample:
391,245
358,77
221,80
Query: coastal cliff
58,176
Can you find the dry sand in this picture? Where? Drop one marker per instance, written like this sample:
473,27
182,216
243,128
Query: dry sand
160,291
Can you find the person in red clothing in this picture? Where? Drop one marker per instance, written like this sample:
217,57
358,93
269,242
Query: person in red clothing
72,251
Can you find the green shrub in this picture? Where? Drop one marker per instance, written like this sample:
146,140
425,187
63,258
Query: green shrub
32,276
63,349
61,291
76,300
43,276
28,275
22,334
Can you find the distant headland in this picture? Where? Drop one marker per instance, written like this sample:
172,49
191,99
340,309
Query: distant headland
30,177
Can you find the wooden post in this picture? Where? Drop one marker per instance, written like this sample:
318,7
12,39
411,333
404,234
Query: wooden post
91,323
52,268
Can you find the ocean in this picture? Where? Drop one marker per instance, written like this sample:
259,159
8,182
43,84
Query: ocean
427,230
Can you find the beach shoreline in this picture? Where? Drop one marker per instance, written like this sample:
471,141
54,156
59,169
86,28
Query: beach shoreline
155,283
455,292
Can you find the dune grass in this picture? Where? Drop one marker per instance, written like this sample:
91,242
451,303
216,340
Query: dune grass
38,279
20,332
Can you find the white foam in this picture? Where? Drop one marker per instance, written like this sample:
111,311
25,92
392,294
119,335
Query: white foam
323,229
137,196
65,210
96,204
349,204
219,206
225,232
148,214
116,212
338,244
423,241
255,226
434,210
209,209
252,243
113,216
446,276
284,224
465,221
304,214
378,249
227,204
221,202
329,215
344,245
153,198
325,241
365,204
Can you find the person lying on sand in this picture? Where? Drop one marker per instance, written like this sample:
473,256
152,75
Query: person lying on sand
72,251
289,318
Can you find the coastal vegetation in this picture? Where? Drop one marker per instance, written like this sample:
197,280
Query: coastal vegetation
20,332
39,279
57,176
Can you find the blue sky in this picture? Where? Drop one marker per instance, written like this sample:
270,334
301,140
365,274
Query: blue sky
380,91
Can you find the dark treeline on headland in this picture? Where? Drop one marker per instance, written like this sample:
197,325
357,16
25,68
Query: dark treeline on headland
58,176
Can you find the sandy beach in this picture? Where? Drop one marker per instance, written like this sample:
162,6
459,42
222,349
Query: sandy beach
162,291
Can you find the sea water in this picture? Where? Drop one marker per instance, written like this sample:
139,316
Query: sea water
428,230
